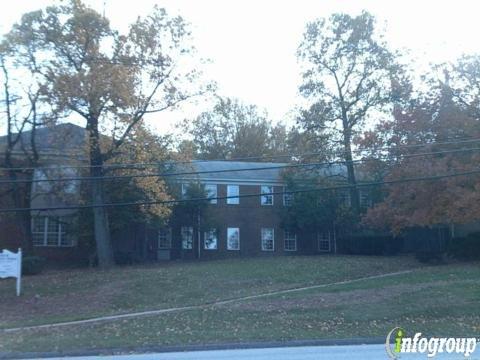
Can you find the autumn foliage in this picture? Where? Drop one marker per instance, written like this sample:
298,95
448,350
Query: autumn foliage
444,122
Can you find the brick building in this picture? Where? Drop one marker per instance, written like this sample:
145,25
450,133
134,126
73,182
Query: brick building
248,225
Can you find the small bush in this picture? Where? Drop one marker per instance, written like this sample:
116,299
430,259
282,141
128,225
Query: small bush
32,265
465,248
430,257
124,258
370,245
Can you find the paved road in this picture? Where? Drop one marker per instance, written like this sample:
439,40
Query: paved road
369,352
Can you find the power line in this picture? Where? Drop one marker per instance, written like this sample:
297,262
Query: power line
187,173
262,157
179,201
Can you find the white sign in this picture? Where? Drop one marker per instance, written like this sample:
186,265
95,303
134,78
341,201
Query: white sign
11,266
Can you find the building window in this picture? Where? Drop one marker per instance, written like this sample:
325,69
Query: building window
268,198
42,186
187,237
184,191
233,239
211,190
267,239
343,198
50,231
165,238
365,199
323,238
287,198
39,183
233,190
210,239
290,240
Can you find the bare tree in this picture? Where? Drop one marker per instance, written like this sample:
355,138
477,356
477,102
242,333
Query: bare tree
19,117
109,80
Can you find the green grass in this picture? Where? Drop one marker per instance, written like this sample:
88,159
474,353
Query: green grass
78,294
442,300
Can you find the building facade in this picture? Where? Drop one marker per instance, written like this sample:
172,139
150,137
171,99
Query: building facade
244,218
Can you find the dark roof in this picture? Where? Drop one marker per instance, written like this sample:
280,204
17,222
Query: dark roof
255,172
69,140
61,139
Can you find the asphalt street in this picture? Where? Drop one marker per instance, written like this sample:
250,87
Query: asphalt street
348,352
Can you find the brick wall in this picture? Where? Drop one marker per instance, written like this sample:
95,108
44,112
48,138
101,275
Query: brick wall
250,217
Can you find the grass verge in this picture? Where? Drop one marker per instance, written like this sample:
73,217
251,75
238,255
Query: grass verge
441,300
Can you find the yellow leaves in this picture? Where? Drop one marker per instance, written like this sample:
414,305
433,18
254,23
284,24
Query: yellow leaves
143,147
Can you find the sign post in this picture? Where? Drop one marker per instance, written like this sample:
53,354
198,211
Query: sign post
11,266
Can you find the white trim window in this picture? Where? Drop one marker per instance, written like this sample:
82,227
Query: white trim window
324,241
50,231
268,198
210,241
211,190
233,190
290,238
187,237
233,239
165,238
268,239
287,197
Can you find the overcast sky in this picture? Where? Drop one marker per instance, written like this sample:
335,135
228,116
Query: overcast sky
252,43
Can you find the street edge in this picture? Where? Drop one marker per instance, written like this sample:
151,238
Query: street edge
197,347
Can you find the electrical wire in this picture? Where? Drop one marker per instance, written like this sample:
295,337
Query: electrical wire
179,201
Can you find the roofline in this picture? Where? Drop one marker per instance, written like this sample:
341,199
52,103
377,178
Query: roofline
234,181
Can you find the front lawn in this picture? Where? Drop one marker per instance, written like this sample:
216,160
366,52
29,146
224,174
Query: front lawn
78,294
441,300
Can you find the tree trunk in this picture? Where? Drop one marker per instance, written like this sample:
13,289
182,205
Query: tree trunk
21,199
101,227
26,218
351,178
100,215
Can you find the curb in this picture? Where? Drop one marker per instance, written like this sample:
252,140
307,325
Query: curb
200,347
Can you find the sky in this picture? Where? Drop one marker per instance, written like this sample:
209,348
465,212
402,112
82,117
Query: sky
252,43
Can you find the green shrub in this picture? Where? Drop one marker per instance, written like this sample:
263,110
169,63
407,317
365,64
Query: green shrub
370,245
32,265
465,248
430,256
124,258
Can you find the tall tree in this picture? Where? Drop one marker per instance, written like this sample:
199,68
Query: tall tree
109,80
320,210
435,117
233,129
20,116
465,75
349,74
